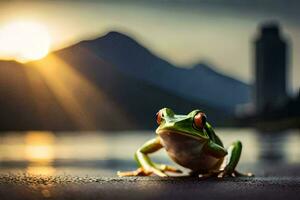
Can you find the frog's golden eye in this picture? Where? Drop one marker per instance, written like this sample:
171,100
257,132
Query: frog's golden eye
200,120
159,116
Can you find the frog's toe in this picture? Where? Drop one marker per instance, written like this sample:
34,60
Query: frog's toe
142,172
167,168
223,174
206,176
239,174
138,172
158,172
235,173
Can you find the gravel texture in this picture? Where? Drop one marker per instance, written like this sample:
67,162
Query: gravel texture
25,186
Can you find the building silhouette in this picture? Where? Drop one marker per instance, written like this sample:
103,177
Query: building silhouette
270,90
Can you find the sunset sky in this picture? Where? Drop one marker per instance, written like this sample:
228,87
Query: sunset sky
182,33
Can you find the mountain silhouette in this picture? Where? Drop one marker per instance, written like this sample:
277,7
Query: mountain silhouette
199,82
109,83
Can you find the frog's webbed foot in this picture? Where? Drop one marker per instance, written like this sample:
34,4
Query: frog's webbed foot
142,172
235,173
138,172
167,168
222,173
159,170
239,174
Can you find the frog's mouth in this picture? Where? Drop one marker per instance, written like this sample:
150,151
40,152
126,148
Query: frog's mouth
181,133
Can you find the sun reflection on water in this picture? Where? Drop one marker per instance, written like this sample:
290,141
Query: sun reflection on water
39,151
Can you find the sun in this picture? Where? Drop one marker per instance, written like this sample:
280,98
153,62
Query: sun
24,41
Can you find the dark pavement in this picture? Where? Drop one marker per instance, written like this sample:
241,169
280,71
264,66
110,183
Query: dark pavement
25,186
87,174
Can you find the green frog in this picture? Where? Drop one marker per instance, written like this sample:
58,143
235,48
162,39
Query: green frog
191,142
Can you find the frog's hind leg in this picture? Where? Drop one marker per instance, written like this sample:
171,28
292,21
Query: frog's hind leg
231,161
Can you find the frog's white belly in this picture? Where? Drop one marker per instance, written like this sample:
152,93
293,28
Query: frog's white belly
188,151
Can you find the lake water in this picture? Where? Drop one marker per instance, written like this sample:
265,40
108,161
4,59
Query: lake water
103,153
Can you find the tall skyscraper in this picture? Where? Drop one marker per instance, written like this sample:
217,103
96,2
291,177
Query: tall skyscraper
270,69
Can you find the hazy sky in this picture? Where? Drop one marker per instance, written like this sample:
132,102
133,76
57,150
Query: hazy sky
182,33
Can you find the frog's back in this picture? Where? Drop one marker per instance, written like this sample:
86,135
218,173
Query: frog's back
188,152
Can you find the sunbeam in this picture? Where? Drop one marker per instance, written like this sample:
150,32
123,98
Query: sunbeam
75,93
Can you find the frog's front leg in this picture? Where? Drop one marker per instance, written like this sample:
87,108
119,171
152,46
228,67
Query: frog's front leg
231,161
146,166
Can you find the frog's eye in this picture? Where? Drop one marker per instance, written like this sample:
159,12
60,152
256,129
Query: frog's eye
200,120
159,116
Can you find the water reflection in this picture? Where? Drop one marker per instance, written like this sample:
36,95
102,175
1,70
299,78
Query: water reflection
281,146
39,152
272,147
293,144
103,153
39,147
